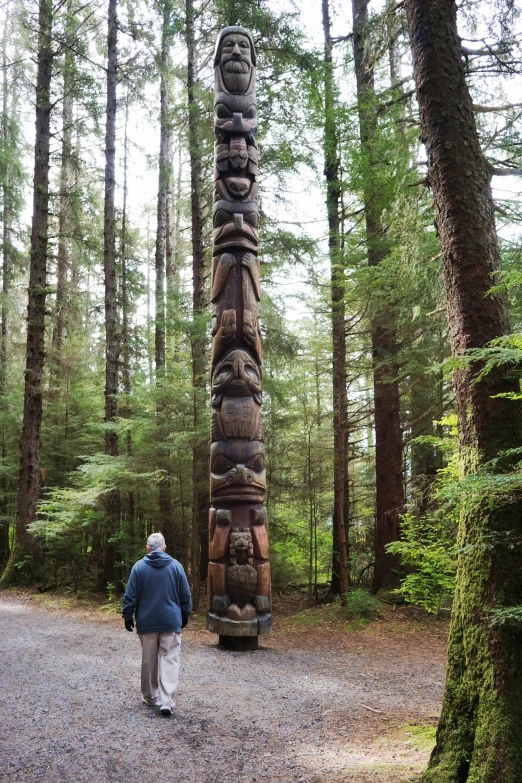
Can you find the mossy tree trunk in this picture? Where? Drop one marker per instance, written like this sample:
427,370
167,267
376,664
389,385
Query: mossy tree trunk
479,738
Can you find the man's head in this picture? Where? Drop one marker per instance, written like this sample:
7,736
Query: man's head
156,543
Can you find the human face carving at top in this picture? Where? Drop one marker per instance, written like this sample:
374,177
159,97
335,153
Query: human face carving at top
236,62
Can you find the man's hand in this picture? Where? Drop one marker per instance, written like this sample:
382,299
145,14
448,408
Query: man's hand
129,623
184,618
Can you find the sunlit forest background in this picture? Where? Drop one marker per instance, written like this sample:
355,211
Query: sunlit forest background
358,396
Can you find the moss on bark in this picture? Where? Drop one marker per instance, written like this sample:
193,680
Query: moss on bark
479,738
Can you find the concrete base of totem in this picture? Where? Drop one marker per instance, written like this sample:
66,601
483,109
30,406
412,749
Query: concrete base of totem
239,643
242,629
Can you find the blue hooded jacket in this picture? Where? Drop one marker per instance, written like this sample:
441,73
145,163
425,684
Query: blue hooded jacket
157,591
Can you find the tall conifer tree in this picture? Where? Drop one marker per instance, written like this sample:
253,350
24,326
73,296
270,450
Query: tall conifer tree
478,737
389,487
25,547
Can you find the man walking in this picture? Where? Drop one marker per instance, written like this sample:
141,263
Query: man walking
158,594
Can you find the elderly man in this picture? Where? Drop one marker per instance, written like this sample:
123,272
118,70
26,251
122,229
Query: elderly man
158,594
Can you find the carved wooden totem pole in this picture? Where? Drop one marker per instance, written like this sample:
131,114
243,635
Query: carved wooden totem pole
239,572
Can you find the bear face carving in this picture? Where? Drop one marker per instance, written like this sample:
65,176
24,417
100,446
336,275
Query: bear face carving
236,375
235,224
237,470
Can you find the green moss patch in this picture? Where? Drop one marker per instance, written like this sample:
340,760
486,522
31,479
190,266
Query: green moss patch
419,735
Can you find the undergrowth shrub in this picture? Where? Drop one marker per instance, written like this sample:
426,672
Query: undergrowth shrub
359,603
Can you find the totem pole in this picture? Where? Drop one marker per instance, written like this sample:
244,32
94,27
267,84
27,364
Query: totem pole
238,590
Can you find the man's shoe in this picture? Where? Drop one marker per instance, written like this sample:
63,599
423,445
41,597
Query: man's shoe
149,703
166,711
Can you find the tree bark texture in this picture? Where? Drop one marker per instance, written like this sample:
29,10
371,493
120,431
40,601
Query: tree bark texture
340,521
109,240
6,217
173,257
162,242
198,338
389,485
426,407
478,738
29,474
126,336
112,338
163,189
64,250
7,271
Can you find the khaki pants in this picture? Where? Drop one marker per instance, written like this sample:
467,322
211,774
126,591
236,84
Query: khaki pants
160,667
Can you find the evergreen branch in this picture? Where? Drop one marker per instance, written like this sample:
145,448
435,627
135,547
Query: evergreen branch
394,101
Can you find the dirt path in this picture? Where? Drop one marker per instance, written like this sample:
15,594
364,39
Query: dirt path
292,712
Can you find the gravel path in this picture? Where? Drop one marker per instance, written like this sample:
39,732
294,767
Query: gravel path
70,707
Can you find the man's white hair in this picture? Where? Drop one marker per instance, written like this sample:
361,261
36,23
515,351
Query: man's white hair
155,541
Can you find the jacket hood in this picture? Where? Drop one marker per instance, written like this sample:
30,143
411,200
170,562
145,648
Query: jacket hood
158,559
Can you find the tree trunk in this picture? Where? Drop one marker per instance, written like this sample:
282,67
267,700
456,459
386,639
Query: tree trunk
64,253
426,406
25,547
478,738
339,583
126,407
389,486
162,240
109,241
173,258
163,187
111,302
7,271
200,497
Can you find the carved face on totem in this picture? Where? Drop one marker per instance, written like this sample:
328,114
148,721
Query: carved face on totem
236,62
238,185
235,224
236,375
237,471
238,154
234,157
238,180
241,541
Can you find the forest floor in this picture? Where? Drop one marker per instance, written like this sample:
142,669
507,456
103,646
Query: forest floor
323,700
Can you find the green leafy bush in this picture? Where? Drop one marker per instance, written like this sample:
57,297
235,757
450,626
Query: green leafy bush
359,603
432,558
427,547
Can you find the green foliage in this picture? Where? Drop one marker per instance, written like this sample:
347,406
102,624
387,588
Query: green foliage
360,603
427,546
81,503
508,615
432,559
114,604
25,570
